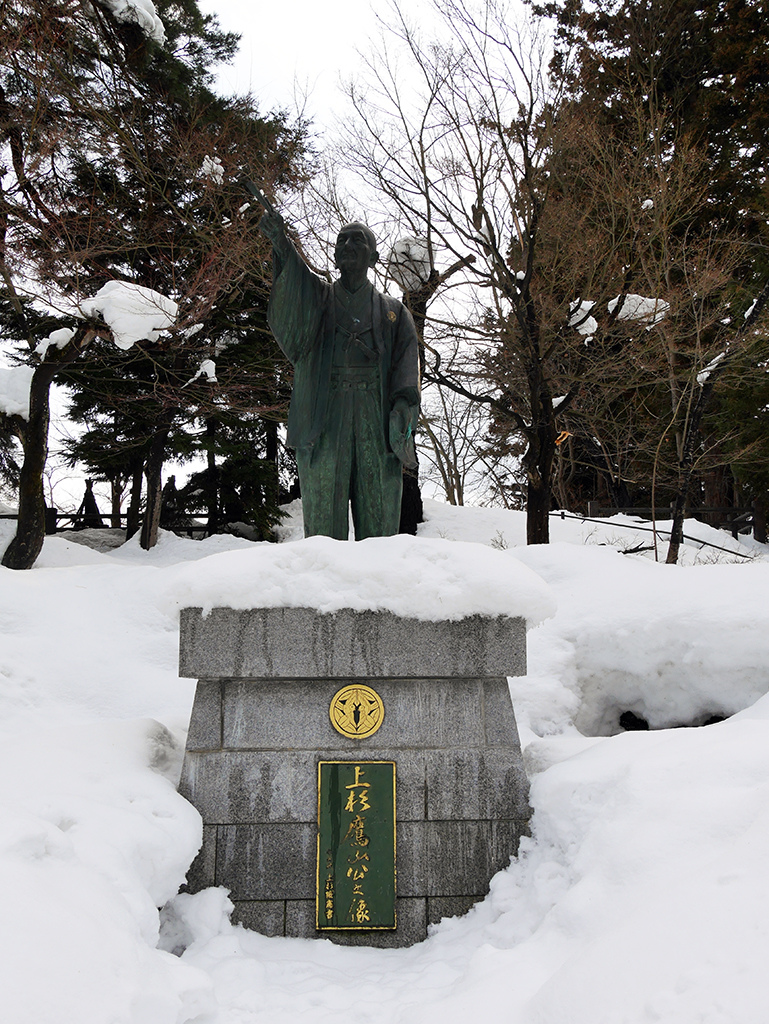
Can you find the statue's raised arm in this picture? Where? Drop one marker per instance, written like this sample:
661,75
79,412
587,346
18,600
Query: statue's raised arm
272,224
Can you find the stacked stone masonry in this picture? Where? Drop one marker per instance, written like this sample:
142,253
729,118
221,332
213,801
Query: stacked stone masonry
257,735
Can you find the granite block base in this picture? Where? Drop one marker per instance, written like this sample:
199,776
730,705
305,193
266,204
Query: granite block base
255,742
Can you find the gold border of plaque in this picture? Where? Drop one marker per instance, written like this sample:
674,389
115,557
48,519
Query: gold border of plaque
356,711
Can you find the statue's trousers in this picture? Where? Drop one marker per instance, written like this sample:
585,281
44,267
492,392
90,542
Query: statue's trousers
350,462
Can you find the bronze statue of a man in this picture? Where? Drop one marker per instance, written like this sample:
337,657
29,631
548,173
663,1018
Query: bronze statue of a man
355,400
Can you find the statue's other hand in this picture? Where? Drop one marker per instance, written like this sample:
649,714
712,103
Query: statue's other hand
401,434
273,225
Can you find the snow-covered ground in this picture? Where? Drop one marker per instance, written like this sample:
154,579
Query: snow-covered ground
642,895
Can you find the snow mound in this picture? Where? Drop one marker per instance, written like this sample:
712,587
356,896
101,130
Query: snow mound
641,896
675,645
92,839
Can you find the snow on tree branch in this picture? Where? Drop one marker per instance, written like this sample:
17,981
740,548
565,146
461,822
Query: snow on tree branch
141,13
57,339
213,168
409,263
206,369
15,382
749,311
638,307
703,375
580,318
133,313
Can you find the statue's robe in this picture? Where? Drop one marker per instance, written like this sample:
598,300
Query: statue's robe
354,356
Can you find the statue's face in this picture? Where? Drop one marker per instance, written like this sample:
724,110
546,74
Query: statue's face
354,251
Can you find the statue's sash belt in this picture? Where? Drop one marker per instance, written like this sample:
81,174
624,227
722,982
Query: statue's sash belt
355,378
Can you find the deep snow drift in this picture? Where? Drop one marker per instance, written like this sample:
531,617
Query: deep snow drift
640,897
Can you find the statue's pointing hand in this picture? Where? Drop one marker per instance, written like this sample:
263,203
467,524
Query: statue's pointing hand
273,225
402,433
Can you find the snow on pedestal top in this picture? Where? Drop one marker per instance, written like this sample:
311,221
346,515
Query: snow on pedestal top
411,577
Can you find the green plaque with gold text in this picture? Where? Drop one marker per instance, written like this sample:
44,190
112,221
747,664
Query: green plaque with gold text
356,845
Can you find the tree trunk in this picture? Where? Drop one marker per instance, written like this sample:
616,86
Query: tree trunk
133,520
538,463
686,468
88,515
116,496
718,491
759,520
677,530
686,460
23,550
153,471
212,500
271,451
538,501
412,510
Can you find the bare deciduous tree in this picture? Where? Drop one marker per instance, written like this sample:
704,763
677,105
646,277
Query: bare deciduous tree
587,278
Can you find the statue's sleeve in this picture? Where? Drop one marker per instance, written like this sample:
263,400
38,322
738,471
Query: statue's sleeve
296,303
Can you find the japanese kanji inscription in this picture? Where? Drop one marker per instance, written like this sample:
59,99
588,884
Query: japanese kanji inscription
356,845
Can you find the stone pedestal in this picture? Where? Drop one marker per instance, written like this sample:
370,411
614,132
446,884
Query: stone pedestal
260,725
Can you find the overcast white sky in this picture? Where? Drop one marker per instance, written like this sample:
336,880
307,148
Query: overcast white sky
304,45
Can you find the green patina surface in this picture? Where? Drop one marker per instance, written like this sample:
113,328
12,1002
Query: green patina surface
356,845
355,397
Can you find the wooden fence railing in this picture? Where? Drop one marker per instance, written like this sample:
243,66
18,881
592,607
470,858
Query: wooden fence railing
736,520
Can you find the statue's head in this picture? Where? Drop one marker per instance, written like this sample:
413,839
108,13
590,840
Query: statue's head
355,248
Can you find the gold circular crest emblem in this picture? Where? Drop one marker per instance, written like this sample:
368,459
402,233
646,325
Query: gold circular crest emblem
356,711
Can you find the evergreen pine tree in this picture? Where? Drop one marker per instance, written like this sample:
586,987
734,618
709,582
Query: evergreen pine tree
692,72
126,166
